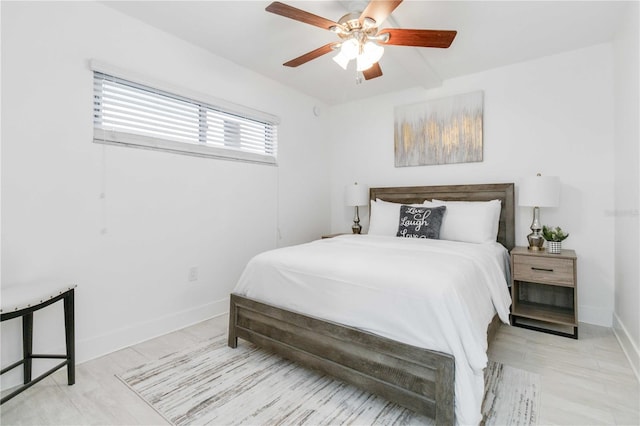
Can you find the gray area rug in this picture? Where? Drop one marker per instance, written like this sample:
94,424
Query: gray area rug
212,384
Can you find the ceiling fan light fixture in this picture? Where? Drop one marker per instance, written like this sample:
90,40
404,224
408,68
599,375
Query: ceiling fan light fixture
362,63
350,48
372,51
341,60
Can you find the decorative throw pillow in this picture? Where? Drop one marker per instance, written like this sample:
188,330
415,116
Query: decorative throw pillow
420,222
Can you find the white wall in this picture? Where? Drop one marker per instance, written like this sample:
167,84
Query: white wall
627,185
127,224
553,115
164,213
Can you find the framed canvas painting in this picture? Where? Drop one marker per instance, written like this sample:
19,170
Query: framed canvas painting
440,131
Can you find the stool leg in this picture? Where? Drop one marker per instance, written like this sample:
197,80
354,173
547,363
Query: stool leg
27,345
69,328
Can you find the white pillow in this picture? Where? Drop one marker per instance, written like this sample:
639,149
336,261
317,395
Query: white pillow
385,217
469,221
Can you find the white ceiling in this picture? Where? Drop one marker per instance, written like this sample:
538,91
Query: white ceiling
490,34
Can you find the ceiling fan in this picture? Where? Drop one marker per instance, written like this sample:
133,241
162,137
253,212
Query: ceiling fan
360,38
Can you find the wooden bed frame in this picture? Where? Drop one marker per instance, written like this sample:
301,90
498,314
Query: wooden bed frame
419,379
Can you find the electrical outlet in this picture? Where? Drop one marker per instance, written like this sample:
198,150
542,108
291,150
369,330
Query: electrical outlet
193,273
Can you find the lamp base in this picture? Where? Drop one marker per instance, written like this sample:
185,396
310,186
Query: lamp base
356,228
536,241
535,238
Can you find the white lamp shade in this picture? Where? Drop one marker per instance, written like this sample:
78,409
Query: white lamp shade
356,195
540,191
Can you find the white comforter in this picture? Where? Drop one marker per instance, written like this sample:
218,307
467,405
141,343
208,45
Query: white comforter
433,294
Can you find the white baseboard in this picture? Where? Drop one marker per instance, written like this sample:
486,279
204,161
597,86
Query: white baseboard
97,346
628,346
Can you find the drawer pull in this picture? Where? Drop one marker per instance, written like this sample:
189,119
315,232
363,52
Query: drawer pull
541,269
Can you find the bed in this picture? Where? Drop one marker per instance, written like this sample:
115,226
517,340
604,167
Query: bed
418,378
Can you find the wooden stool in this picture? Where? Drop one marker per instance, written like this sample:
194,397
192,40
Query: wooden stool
23,301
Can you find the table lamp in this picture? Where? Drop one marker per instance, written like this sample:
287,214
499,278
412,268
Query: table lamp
538,191
356,196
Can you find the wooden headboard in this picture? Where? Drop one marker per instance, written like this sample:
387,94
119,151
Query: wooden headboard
478,192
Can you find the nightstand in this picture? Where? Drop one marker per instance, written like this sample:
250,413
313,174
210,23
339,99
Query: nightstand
544,291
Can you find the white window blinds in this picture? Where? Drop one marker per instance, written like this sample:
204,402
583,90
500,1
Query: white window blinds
129,113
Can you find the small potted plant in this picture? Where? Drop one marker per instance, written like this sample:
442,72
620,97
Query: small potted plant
554,237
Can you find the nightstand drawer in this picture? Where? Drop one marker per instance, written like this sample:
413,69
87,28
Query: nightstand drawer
543,270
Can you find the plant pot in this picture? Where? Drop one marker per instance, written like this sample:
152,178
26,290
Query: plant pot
554,247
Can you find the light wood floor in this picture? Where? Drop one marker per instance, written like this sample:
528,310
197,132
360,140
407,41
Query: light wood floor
584,382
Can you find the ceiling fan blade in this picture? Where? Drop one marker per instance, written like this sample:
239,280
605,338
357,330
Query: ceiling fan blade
378,10
310,55
299,15
419,38
372,72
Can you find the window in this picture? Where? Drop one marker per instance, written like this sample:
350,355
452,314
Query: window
134,114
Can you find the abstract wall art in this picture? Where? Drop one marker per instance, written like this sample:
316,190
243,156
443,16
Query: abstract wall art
440,131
